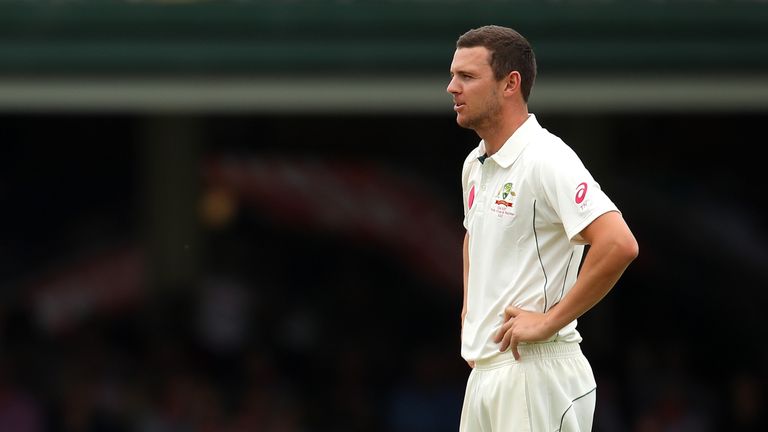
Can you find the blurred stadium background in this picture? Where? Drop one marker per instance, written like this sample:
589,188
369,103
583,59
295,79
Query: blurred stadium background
245,215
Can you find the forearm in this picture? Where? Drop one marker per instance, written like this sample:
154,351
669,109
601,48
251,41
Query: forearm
593,284
604,264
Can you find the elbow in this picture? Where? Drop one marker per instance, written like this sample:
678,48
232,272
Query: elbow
628,248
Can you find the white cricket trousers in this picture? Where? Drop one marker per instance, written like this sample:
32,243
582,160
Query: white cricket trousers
550,389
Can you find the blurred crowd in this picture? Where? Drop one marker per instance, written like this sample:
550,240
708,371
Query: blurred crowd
323,292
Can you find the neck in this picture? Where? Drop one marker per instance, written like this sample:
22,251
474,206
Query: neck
495,137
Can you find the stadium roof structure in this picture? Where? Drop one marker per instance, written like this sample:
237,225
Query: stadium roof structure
630,53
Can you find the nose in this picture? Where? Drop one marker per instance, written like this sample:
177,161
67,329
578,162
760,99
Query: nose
452,87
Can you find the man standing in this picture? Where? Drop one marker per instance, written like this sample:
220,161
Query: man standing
530,207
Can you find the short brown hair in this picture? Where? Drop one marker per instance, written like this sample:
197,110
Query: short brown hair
510,51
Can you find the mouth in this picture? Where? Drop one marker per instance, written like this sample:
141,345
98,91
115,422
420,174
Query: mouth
458,106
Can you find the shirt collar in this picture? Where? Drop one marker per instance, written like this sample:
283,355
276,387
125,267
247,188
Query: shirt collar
511,149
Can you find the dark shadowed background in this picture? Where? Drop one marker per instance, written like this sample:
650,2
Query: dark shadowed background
246,215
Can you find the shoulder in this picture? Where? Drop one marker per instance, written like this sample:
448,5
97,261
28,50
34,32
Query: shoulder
546,148
552,162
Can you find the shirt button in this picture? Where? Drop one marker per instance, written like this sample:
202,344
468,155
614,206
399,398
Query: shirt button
482,188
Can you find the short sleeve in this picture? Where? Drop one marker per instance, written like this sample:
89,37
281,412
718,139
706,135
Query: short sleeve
574,195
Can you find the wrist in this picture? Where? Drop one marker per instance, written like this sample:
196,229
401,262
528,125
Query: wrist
552,322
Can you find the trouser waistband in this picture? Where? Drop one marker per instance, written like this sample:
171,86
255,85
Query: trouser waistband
531,351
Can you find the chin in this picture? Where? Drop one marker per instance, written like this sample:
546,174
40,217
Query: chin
463,122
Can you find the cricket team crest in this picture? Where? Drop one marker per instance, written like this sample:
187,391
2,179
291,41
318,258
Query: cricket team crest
505,200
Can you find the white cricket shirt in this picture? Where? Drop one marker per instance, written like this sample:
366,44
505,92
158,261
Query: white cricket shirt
524,209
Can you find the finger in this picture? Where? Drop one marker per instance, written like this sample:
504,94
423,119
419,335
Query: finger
505,341
515,353
499,339
505,326
502,330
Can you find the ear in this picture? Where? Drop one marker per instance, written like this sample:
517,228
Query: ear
512,83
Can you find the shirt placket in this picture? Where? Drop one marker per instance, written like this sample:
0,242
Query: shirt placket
486,180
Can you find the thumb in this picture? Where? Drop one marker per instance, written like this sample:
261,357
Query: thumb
511,312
